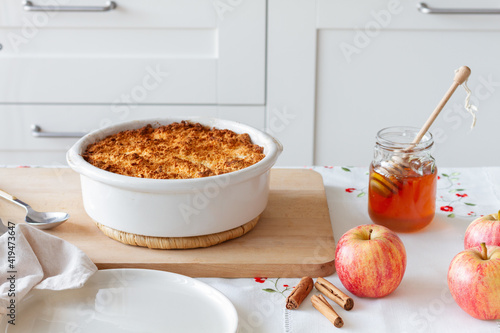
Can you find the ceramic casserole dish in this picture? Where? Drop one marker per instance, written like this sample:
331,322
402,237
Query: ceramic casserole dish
175,207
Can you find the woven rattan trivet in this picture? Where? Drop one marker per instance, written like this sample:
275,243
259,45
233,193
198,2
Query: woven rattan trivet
169,243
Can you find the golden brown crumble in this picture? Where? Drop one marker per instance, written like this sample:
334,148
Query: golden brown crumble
176,151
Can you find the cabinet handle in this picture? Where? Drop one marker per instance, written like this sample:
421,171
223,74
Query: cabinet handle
30,7
425,9
37,132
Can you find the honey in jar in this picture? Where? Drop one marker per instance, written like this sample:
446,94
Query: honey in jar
403,179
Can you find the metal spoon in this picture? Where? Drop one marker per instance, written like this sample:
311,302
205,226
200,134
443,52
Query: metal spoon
39,220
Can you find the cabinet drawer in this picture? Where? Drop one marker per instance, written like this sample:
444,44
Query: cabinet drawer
127,14
142,52
19,146
397,76
371,16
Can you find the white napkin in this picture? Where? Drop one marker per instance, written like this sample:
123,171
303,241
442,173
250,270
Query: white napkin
41,261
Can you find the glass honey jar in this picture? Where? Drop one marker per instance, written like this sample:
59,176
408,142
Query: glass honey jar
403,180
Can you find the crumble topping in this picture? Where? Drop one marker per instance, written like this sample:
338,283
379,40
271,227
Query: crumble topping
176,151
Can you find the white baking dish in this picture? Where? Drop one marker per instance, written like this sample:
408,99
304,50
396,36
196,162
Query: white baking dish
175,207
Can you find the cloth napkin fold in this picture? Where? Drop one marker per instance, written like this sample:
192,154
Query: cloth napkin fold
40,261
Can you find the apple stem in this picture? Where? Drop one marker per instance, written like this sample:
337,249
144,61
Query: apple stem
370,234
484,252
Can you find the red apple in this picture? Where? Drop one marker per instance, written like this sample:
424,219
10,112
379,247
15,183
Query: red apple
370,260
474,281
484,229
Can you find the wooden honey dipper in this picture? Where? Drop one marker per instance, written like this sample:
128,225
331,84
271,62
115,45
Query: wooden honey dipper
390,182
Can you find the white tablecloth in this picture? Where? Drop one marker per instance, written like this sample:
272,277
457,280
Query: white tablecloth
422,302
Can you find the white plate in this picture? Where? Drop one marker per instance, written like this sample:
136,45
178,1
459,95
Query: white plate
127,300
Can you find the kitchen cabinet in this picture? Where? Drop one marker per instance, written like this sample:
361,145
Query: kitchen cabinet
322,76
156,51
73,71
365,65
20,145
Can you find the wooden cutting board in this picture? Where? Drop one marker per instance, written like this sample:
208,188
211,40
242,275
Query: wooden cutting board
292,239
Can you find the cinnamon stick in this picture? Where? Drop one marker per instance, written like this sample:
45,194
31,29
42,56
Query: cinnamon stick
299,293
334,293
319,302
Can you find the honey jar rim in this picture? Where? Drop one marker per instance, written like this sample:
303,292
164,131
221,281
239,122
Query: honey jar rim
408,134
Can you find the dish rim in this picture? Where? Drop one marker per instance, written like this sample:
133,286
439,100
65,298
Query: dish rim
272,149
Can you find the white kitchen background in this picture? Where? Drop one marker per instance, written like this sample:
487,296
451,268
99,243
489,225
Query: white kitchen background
322,76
